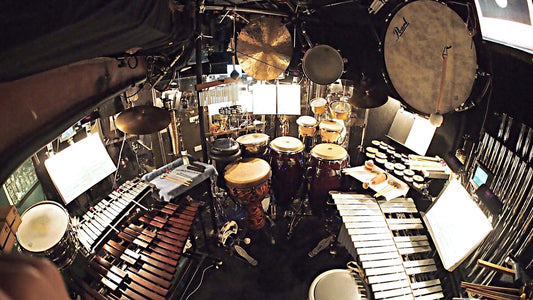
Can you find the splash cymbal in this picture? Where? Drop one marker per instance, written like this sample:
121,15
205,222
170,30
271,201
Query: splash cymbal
264,48
143,119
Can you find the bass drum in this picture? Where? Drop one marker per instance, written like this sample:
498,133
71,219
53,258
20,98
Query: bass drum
416,38
46,231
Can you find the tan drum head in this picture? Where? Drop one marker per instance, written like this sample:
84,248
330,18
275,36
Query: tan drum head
247,172
330,125
413,47
253,139
287,144
329,151
318,105
43,225
306,121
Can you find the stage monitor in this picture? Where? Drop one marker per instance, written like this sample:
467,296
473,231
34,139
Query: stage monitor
507,22
79,167
456,224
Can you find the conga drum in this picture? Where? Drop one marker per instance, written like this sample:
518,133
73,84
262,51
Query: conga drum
286,161
330,131
324,174
248,183
253,144
338,284
307,127
46,231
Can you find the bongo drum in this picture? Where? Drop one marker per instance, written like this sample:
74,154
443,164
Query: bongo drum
286,161
337,284
330,131
340,109
318,105
46,231
324,173
248,183
253,144
306,126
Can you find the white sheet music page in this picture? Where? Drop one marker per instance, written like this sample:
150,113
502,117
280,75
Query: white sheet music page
456,224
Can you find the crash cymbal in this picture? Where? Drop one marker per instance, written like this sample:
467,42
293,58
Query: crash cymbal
264,48
368,94
144,119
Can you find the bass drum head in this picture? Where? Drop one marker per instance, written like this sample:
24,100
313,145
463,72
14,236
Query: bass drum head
337,284
413,50
43,225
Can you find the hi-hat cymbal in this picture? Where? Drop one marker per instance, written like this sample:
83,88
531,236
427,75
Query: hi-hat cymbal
264,48
144,119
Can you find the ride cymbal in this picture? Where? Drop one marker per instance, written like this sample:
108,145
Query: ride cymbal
144,119
264,48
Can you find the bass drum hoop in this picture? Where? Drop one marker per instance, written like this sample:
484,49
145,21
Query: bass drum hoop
385,72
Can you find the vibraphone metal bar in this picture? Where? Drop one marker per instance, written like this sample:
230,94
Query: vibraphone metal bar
142,260
96,225
391,245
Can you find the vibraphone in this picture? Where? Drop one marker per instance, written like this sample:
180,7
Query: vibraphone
142,260
105,217
391,244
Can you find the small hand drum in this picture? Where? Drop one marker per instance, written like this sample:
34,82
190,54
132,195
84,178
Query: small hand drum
248,183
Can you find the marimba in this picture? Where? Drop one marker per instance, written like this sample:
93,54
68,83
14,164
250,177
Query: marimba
391,245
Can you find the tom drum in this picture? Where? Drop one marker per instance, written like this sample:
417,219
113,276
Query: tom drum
46,231
253,144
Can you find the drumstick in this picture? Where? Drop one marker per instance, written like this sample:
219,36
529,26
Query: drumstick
491,287
177,180
188,179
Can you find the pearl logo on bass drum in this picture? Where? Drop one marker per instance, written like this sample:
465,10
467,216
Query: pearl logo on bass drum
400,31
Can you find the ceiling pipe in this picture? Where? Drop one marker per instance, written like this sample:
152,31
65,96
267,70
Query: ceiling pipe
244,10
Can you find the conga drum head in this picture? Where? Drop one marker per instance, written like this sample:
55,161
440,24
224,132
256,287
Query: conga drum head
43,226
247,173
329,151
318,105
253,139
341,110
336,284
287,144
415,40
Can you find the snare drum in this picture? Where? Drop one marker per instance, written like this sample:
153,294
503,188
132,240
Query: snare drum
253,144
337,284
324,174
318,105
340,109
46,231
330,131
248,183
286,161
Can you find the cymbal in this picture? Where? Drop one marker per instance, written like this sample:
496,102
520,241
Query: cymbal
264,48
368,95
143,119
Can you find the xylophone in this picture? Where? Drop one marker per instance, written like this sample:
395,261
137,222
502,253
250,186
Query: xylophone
391,245
142,260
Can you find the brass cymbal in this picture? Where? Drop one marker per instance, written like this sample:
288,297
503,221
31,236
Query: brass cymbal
264,48
368,94
143,119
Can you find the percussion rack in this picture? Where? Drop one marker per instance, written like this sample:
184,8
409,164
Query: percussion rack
390,242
